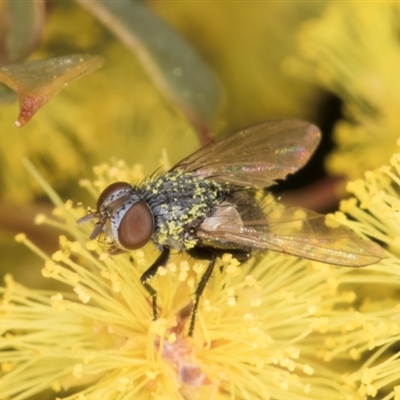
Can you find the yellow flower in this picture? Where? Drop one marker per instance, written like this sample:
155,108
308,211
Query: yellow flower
375,326
353,51
265,329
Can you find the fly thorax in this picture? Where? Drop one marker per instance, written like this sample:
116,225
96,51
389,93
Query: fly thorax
180,202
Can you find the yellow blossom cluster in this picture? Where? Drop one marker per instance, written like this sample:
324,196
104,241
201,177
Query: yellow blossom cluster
270,328
353,50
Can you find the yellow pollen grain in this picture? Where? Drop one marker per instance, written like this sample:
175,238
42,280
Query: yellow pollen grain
72,277
75,247
255,303
69,205
348,204
63,240
331,222
58,256
91,245
371,390
321,325
20,237
355,186
368,375
284,385
206,306
226,258
312,309
232,269
248,317
77,371
250,281
161,271
255,345
184,266
385,169
58,211
356,321
151,374
254,330
189,244
231,301
124,384
198,268
172,267
312,304
182,276
89,357
140,258
104,256
83,296
159,327
288,364
171,338
56,386
191,283
395,159
57,303
348,297
50,269
40,219
307,369
85,183
101,169
354,354
9,281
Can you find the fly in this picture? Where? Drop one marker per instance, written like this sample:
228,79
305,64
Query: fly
205,206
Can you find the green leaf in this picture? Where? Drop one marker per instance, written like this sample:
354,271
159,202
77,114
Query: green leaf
21,24
37,81
173,64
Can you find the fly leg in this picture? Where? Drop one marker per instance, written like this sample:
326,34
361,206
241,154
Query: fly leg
210,254
149,274
199,291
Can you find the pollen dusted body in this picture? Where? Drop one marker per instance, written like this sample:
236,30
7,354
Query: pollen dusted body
179,203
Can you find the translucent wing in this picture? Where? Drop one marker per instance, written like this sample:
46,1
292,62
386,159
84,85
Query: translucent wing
292,231
257,156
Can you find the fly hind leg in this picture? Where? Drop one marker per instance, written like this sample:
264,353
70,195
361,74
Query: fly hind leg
210,254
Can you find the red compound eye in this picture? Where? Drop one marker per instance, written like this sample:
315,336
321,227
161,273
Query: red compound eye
136,227
109,190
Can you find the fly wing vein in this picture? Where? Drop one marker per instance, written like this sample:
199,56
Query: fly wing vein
256,156
310,239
